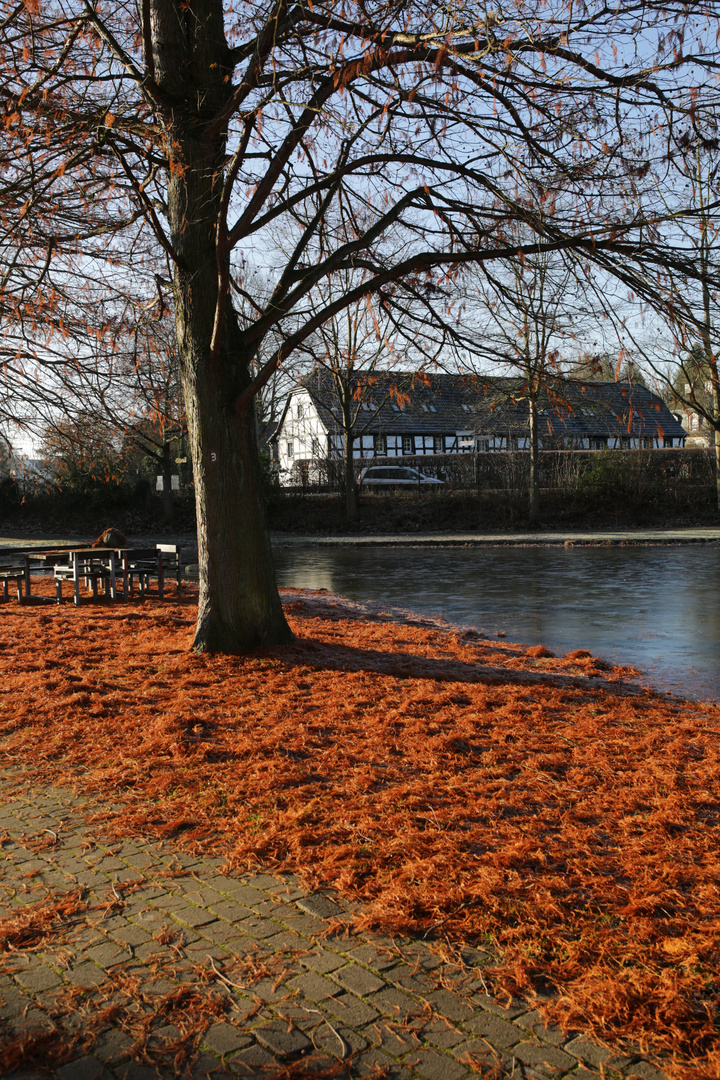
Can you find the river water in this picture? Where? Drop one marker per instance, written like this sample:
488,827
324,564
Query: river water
656,608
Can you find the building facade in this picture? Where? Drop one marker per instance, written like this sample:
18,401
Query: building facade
396,415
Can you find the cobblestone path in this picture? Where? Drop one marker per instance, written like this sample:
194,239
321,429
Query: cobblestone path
132,960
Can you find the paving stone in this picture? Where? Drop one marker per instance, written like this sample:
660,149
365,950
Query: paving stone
207,1067
107,865
38,978
194,916
435,1066
269,991
264,881
375,1062
31,1021
113,1046
275,909
450,1005
645,1070
394,1003
281,1040
350,1010
231,911
416,954
338,1041
531,1053
514,1009
411,979
476,1054
392,1038
533,1022
498,1032
358,980
373,957
91,879
244,894
133,1070
130,935
87,975
252,1062
108,955
225,1039
287,942
587,1051
442,1034
203,897
305,924
84,1068
313,986
257,927
320,960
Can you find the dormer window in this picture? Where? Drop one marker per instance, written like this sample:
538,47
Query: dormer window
299,410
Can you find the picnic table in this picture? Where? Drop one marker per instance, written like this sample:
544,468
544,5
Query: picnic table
92,566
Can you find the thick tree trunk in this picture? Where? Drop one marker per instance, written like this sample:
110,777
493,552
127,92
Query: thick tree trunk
534,506
239,607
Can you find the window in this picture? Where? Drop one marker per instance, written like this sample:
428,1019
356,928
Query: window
380,446
394,445
314,447
407,444
438,444
299,410
290,448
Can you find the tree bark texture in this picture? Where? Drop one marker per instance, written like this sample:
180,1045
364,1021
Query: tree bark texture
239,607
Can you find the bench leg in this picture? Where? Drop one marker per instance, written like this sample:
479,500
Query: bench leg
5,589
58,591
19,590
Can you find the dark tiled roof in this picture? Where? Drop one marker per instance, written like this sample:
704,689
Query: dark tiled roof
403,403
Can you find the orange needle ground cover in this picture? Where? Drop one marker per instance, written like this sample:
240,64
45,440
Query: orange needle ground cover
471,790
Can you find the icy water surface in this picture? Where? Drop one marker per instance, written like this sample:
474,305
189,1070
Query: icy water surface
657,608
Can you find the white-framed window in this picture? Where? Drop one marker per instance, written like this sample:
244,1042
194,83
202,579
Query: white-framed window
290,447
407,444
299,410
380,445
393,445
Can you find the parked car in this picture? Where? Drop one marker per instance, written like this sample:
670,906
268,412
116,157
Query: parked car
385,476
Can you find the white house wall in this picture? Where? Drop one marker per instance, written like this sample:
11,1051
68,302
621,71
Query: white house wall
302,434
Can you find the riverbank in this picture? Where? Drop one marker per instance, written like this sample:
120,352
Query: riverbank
700,534
594,538
450,786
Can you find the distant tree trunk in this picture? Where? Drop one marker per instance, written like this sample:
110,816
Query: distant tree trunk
167,475
239,606
534,508
351,505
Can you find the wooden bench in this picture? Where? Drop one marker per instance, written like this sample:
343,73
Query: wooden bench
18,574
158,562
93,565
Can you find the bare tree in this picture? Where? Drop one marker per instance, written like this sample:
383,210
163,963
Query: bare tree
530,313
208,127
